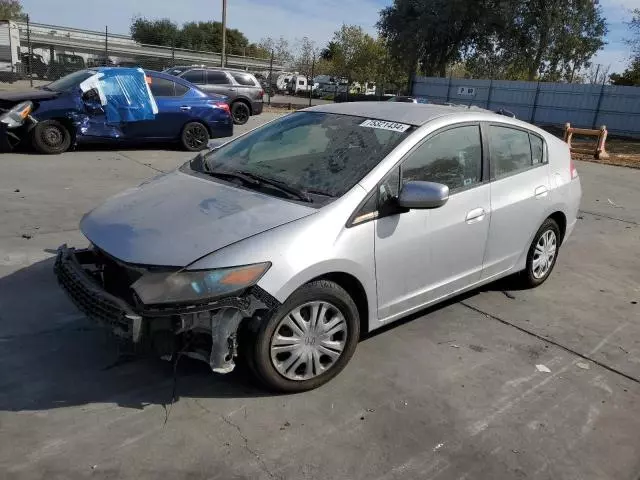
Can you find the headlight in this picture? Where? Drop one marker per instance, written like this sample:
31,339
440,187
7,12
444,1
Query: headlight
199,285
16,116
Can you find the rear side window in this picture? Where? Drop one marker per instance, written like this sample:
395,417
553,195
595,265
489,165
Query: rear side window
161,87
194,76
244,79
215,77
510,151
181,90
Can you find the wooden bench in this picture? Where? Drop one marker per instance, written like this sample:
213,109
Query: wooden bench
599,151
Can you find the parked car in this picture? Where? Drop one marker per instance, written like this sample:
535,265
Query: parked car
37,64
59,115
243,89
65,64
287,243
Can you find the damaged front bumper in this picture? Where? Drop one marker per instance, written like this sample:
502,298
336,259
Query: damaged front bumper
207,331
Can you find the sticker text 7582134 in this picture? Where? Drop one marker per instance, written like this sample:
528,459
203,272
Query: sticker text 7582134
385,125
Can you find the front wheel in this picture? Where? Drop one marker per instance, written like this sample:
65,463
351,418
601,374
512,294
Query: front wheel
195,137
51,137
542,254
308,340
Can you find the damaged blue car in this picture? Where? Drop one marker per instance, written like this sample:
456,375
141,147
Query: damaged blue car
112,105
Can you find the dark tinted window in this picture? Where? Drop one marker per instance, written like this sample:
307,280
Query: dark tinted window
300,82
161,87
181,90
537,149
510,151
215,77
453,158
244,79
194,76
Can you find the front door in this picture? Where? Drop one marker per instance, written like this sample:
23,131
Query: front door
423,255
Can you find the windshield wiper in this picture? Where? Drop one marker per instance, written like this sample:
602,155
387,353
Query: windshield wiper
254,179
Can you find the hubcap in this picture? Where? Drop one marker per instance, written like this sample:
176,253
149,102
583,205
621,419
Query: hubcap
308,341
196,137
52,136
544,254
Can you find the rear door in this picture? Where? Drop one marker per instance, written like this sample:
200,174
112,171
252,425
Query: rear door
520,185
218,81
175,108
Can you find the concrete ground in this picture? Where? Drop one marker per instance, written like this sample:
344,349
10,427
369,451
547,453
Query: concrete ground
451,393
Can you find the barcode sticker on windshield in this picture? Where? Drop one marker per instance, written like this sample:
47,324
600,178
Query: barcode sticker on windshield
383,124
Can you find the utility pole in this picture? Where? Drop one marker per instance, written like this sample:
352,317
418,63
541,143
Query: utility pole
224,34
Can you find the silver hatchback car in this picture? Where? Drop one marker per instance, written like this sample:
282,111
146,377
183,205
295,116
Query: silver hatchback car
281,247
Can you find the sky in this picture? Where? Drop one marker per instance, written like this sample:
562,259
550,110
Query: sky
291,19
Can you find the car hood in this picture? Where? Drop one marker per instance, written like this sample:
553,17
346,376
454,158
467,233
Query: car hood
178,218
23,95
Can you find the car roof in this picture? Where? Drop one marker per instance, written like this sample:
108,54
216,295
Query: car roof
413,114
416,114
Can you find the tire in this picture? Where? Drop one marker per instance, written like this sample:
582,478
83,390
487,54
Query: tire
195,137
545,242
301,373
240,113
51,137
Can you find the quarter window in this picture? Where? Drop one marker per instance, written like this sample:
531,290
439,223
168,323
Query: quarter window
513,151
215,77
453,158
537,149
244,79
181,90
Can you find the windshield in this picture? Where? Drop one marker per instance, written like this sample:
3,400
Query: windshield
70,81
314,152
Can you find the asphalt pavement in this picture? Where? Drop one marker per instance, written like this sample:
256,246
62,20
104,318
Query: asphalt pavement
450,393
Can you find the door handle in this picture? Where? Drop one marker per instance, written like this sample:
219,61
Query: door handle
232,89
185,107
476,215
541,192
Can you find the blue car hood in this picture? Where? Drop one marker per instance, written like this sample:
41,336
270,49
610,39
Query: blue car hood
177,218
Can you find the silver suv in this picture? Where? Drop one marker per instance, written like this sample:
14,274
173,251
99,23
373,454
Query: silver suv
284,245
242,88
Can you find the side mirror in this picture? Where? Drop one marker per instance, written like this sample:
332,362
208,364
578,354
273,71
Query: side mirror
422,195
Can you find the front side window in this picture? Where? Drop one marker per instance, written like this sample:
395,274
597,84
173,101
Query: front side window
215,77
194,76
452,157
510,151
312,151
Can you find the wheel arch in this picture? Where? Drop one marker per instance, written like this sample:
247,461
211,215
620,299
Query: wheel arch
561,219
244,100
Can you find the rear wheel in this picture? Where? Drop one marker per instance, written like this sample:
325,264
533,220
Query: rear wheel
195,137
308,340
240,112
51,137
542,254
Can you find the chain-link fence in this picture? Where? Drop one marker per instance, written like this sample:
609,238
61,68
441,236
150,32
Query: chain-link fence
34,54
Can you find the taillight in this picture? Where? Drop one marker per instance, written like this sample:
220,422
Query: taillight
261,94
572,169
222,106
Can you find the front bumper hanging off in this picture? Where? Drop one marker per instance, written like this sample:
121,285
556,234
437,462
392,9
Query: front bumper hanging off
80,273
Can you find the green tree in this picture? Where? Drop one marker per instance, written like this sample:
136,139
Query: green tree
630,77
280,47
356,54
12,10
431,34
548,39
204,36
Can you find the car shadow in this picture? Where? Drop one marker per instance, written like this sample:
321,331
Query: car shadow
54,357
